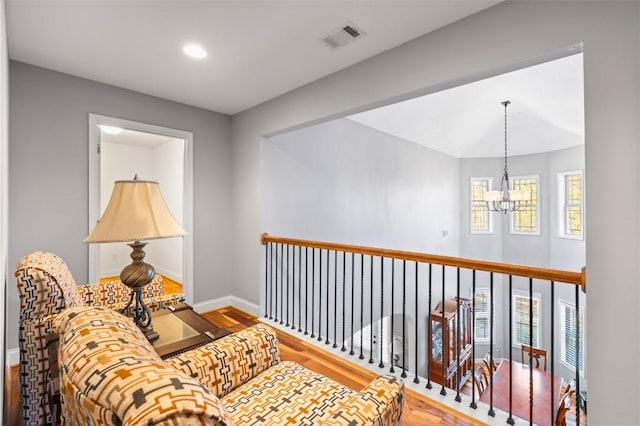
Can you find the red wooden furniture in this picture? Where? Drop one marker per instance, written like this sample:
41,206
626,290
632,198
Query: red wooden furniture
544,403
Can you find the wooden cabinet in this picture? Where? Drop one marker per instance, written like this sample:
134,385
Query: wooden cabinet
451,341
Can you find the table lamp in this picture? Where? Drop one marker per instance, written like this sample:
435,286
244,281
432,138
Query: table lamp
136,212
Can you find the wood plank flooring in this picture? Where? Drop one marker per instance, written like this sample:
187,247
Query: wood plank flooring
170,286
418,410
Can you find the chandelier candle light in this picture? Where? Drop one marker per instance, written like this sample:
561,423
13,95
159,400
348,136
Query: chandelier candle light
136,212
506,200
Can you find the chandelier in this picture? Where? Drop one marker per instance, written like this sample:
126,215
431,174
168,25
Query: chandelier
506,200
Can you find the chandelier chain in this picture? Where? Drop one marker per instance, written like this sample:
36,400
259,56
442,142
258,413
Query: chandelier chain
506,169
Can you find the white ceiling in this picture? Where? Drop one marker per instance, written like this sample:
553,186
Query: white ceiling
546,113
257,49
133,137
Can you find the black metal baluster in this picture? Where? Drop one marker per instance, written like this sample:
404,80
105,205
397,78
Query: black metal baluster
458,339
404,317
361,304
429,330
335,299
353,284
286,297
531,353
371,310
510,419
282,273
415,379
393,330
326,342
443,391
306,290
492,412
313,291
344,292
273,282
473,341
577,355
293,287
552,351
320,296
381,340
300,289
277,299
491,328
266,280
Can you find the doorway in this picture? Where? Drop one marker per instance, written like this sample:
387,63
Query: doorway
120,149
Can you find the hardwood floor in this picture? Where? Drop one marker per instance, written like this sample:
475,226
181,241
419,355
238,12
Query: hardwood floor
170,286
418,410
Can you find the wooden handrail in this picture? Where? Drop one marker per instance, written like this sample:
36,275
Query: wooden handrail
556,275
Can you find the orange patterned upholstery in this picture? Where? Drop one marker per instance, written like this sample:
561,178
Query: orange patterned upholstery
46,287
109,374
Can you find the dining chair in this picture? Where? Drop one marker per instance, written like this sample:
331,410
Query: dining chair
480,379
491,366
563,409
536,354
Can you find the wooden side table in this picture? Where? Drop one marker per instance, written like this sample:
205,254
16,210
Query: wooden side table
182,329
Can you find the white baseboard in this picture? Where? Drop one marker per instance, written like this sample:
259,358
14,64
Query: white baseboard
13,354
221,302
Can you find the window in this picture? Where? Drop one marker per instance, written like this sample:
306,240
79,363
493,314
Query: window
522,306
527,220
480,219
481,310
568,335
570,204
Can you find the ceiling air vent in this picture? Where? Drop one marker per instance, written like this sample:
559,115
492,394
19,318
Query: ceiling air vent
343,35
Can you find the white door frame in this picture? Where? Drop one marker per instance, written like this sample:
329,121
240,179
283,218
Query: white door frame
96,120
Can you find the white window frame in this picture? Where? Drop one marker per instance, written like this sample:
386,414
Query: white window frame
536,337
512,229
489,182
562,206
564,305
482,314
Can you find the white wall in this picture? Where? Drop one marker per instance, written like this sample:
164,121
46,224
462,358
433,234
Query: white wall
119,162
169,251
498,39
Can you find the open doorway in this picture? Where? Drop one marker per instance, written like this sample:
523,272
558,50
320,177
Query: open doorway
121,149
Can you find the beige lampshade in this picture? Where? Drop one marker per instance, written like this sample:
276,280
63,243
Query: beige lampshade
136,212
519,195
493,196
497,196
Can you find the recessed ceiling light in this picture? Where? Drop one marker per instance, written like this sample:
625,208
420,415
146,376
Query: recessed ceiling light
194,51
110,130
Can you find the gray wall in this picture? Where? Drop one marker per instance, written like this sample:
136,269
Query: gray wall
501,38
344,182
48,191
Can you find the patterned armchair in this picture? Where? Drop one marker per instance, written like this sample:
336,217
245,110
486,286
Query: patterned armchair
46,287
110,375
